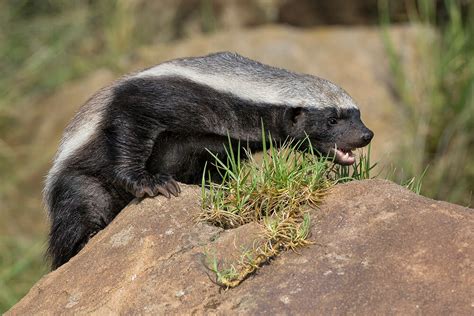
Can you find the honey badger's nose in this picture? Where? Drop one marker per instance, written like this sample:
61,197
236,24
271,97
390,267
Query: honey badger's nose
367,136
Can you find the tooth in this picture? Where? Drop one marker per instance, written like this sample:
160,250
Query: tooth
346,156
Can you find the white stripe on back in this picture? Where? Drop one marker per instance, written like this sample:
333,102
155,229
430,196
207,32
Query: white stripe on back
238,85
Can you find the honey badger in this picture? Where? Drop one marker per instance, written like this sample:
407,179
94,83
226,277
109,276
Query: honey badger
138,136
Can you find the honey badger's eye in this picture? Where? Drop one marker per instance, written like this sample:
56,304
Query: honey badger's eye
332,121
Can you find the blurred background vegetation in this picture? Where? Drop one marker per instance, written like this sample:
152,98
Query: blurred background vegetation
44,45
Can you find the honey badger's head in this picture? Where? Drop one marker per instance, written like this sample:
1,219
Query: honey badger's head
333,124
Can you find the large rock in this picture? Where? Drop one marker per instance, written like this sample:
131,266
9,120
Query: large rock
379,249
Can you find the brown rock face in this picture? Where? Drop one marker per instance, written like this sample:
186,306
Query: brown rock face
379,249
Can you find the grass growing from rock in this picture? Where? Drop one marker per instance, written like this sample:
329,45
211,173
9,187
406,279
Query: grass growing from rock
277,193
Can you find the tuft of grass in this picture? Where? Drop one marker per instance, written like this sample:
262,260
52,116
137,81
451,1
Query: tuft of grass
275,193
286,180
222,274
413,184
437,100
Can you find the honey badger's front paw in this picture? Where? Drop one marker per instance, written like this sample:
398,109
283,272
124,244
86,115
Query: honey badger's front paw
158,184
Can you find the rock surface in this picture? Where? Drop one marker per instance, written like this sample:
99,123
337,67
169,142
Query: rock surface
379,249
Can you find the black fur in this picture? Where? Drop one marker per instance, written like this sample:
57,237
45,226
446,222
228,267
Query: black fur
156,130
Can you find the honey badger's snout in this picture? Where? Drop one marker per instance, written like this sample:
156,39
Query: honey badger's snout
365,136
353,133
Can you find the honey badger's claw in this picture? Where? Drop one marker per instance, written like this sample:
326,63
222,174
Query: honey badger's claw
176,186
164,185
173,187
162,190
149,191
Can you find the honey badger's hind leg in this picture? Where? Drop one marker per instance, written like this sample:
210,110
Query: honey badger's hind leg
79,207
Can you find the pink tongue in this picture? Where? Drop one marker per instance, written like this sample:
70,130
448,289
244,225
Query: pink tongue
343,158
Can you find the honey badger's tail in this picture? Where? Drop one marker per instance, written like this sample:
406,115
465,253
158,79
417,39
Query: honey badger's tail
78,208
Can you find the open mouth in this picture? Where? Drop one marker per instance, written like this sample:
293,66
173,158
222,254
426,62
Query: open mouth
344,156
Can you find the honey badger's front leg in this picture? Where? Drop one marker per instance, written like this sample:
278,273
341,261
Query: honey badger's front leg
131,148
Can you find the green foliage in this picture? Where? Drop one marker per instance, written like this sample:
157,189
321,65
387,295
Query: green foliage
45,43
21,264
437,105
